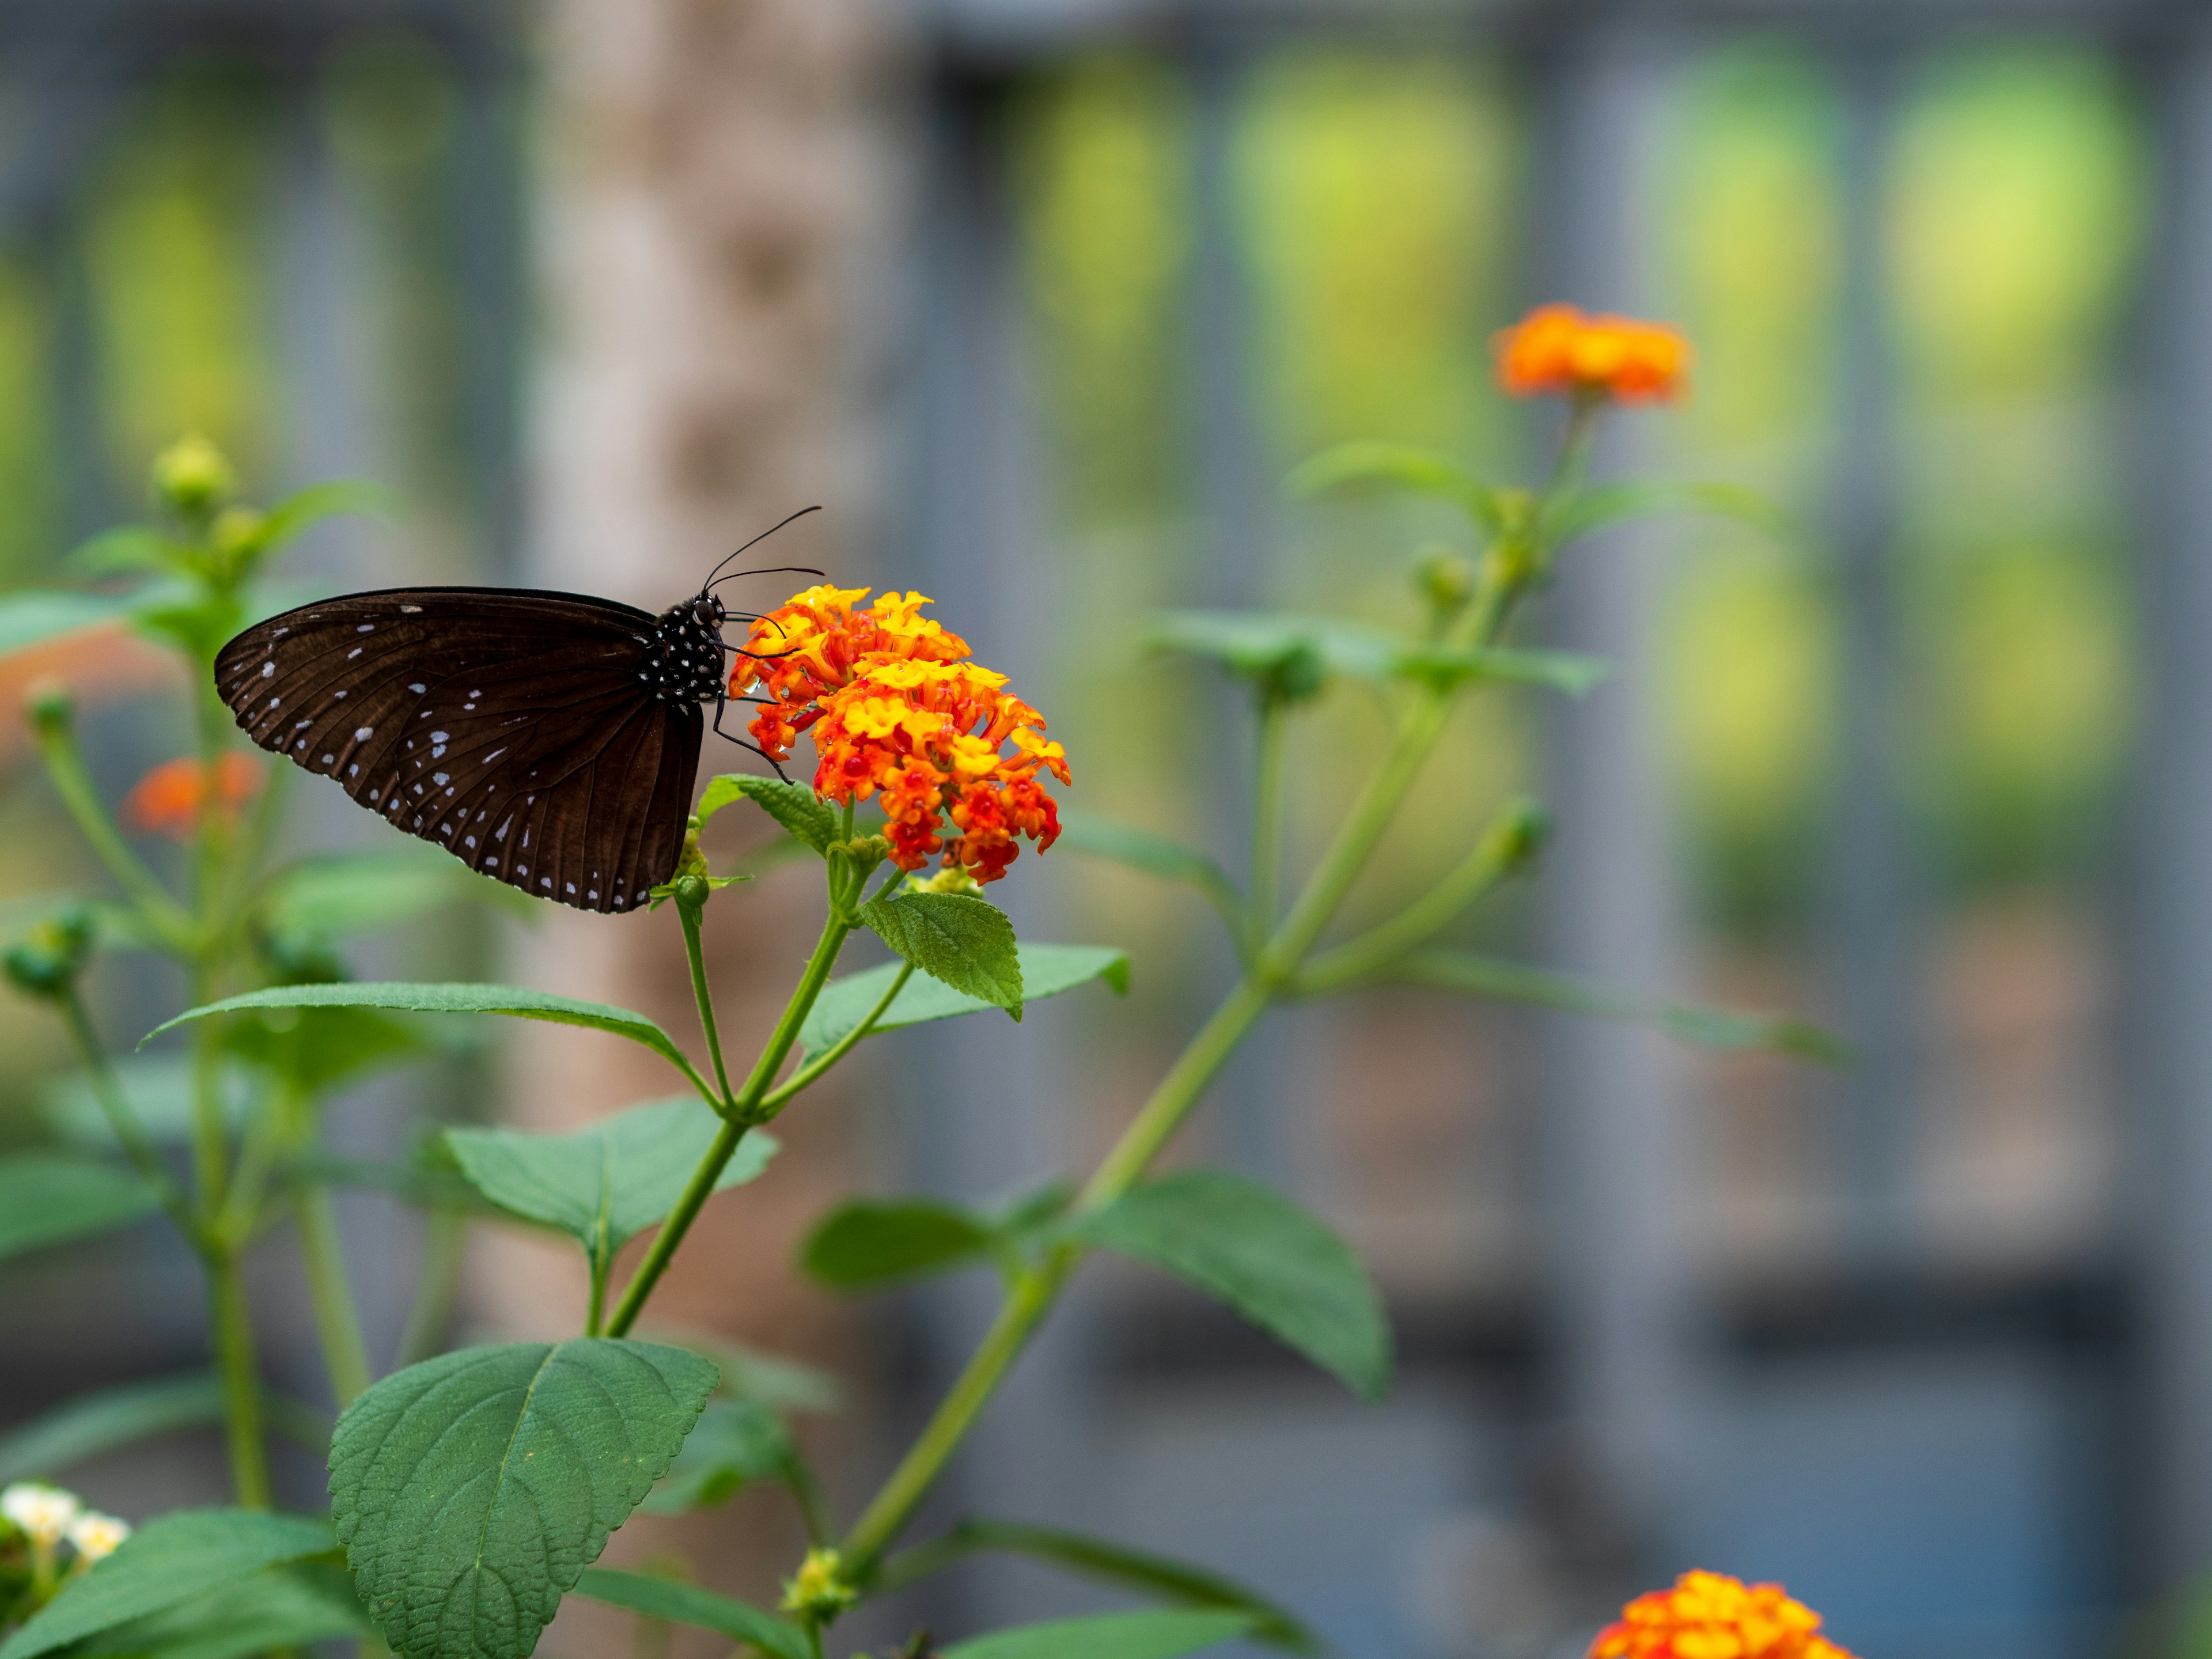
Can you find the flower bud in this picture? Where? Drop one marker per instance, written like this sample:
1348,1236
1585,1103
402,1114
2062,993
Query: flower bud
1518,837
952,879
43,1512
1445,579
691,891
94,1536
818,1588
46,961
50,708
236,533
193,477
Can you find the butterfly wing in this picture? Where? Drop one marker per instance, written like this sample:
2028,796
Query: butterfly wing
516,729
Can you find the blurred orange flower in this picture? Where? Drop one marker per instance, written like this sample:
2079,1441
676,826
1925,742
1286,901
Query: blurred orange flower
170,798
1710,1615
898,713
1557,349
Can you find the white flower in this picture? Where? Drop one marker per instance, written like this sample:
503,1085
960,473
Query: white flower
95,1535
43,1512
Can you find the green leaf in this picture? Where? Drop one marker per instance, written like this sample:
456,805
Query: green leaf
608,1181
1402,467
1703,1028
188,614
128,548
766,1379
471,1491
1587,510
328,500
95,1423
321,899
738,1443
36,615
1107,1636
1292,654
864,1245
793,806
1156,1576
164,1563
446,999
1554,671
1047,970
319,1048
1154,855
283,1608
964,942
678,1603
47,1198
1275,1263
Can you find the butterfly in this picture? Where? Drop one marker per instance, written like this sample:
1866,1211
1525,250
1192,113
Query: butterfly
548,740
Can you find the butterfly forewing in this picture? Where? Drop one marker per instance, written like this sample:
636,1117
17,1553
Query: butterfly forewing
516,729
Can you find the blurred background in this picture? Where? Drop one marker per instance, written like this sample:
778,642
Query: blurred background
1042,297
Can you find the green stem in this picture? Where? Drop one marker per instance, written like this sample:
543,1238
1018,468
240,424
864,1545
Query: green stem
1266,862
1176,1093
241,1379
437,1286
210,1137
690,915
744,1112
803,1078
64,766
338,1320
115,1106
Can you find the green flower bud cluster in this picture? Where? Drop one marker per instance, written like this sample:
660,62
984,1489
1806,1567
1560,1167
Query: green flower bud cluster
46,961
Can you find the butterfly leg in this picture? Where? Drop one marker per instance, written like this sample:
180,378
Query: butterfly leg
721,703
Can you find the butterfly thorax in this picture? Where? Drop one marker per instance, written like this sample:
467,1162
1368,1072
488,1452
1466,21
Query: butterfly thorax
684,658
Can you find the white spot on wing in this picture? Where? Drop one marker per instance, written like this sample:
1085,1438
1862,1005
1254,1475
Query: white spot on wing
418,687
440,778
267,669
363,733
440,736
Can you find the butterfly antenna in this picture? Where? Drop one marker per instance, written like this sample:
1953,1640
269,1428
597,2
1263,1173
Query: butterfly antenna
762,537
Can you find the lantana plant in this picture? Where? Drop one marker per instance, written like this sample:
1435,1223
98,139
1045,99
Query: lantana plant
472,1491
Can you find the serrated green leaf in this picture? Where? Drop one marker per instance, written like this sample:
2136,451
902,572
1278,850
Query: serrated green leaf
964,942
793,806
472,1491
168,1562
448,999
680,1604
1157,1576
608,1181
1719,1029
1047,970
36,615
866,1245
329,896
1276,1264
95,1423
1107,1636
48,1198
738,1443
1587,510
1401,466
1154,855
283,1608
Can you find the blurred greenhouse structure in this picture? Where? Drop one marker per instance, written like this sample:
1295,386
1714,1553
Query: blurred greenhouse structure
1931,1341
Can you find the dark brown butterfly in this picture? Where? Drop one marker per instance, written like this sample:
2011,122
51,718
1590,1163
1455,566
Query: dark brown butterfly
548,740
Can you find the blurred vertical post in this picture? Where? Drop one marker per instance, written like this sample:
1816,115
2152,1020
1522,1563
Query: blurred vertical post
714,205
2166,974
1615,1148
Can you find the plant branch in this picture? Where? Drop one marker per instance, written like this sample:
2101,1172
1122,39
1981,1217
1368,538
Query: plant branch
123,1120
64,766
338,1319
803,1078
240,1369
1266,861
690,914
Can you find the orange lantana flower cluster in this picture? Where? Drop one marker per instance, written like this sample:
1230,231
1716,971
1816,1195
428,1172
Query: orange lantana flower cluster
1710,1615
898,713
170,798
1557,349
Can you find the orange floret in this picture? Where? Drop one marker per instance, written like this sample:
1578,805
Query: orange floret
169,800
1710,1615
898,713
1557,349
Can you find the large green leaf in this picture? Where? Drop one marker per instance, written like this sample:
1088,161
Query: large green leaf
1401,466
1550,671
680,1604
964,941
1292,654
738,1443
1278,1264
608,1181
1154,855
46,1198
864,1245
1107,1636
448,999
793,806
1721,1029
95,1423
317,1048
1047,970
34,616
1156,1576
335,894
283,1608
472,1489
164,1563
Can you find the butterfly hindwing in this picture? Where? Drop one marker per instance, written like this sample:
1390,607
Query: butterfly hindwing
513,728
